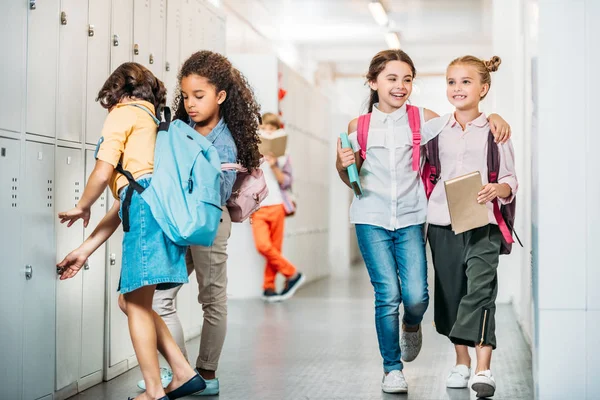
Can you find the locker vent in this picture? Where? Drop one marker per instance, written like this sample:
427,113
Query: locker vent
14,193
49,204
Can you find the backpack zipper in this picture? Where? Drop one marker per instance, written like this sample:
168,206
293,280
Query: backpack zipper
190,181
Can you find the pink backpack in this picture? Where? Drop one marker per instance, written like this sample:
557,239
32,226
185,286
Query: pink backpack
249,190
414,121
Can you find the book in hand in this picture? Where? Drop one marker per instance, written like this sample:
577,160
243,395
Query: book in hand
465,212
273,143
352,170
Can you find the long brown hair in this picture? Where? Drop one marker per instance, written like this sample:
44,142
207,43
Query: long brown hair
135,81
240,110
378,64
483,68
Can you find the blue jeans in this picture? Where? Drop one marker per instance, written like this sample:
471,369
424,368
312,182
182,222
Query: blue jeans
397,267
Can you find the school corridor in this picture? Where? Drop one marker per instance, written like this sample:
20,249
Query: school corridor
321,345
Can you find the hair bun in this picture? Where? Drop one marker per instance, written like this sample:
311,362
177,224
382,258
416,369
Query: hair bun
493,64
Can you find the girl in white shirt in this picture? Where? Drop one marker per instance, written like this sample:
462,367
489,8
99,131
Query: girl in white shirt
391,213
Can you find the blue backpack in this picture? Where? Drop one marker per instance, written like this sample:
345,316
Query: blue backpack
184,192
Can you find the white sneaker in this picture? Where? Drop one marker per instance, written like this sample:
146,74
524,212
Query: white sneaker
484,384
410,344
394,382
458,377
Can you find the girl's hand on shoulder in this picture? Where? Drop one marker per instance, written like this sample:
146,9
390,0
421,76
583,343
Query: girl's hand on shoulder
500,128
271,159
344,157
488,193
75,214
71,264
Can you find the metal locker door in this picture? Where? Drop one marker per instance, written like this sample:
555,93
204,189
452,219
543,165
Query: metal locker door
98,66
42,67
121,33
92,329
39,256
72,70
200,27
172,50
13,20
188,21
13,273
141,32
69,188
158,26
222,35
120,348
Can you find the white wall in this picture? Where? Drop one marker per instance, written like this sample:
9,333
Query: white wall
566,216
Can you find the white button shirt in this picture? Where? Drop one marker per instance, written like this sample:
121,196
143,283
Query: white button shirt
393,194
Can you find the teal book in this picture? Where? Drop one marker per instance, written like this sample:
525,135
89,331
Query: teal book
352,170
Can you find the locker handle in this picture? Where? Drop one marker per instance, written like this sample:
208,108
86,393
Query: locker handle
86,266
151,59
113,258
167,66
32,5
28,272
136,49
115,40
91,30
63,18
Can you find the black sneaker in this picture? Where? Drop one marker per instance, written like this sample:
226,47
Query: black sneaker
270,295
292,285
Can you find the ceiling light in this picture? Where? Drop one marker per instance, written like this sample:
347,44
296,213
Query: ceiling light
393,40
378,12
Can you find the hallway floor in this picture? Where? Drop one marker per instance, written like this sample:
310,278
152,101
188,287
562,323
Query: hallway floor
322,345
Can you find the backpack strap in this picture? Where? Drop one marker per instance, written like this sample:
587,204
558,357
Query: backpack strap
362,131
433,158
493,164
150,113
414,121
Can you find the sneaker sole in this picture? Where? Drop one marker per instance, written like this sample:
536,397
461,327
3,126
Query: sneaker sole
461,386
271,299
289,294
395,391
483,389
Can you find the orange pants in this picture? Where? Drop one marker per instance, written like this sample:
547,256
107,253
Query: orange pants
267,225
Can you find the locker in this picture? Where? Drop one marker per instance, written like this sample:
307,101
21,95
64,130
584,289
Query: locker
39,254
221,45
188,13
13,276
172,48
98,66
69,188
141,32
92,332
121,33
157,28
72,69
120,348
42,67
12,28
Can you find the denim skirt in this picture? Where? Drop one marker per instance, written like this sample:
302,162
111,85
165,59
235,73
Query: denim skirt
149,257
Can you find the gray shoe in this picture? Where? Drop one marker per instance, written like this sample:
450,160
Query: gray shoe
410,344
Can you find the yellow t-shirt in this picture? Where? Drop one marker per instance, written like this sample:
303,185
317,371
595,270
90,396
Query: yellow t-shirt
129,135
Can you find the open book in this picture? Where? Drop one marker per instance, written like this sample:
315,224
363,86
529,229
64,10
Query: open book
275,143
465,212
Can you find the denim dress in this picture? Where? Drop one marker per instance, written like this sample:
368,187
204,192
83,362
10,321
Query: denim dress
149,256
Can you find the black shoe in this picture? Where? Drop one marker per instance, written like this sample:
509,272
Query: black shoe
270,295
292,285
194,385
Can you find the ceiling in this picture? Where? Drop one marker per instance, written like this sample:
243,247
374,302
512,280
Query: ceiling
343,35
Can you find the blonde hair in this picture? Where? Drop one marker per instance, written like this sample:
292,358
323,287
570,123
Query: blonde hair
483,67
271,119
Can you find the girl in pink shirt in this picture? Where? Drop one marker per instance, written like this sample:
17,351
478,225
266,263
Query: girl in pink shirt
466,282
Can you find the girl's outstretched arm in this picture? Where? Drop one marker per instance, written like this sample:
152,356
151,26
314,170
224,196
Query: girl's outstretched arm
76,259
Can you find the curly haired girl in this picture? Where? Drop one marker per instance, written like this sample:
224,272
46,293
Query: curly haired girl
217,101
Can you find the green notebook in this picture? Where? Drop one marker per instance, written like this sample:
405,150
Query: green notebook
352,171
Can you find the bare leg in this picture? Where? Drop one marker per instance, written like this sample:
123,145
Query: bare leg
484,358
138,307
462,355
